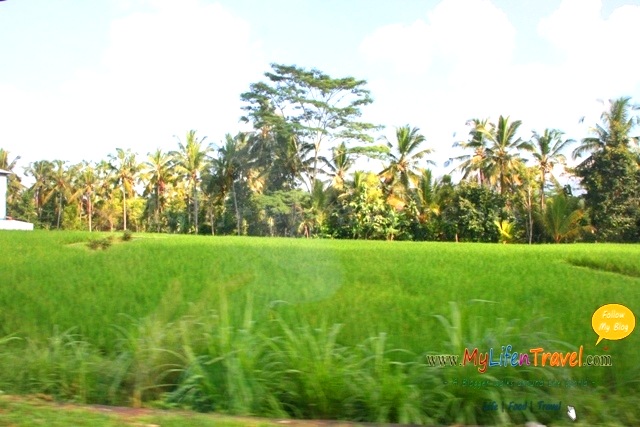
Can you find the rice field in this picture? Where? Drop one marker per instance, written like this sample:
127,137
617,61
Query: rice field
324,329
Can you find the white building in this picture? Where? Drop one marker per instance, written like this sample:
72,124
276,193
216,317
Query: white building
5,223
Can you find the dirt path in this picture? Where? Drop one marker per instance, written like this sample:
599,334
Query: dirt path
140,417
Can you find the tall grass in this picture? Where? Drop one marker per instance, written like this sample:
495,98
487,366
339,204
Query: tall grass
306,329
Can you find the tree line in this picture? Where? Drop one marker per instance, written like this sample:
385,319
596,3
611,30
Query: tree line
295,174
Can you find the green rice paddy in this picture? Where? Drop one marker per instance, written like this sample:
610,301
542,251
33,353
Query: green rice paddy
150,320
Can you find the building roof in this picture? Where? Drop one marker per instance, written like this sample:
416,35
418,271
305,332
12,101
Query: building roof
5,173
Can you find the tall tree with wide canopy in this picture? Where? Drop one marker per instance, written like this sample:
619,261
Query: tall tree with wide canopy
275,157
503,156
190,160
316,108
611,174
546,149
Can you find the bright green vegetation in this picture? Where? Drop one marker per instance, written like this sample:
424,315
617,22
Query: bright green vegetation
311,328
295,174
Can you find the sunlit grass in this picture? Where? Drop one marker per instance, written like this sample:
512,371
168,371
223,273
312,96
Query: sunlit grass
193,319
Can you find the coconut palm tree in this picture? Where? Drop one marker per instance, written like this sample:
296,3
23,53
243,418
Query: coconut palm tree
473,165
126,169
41,171
60,186
502,157
426,198
228,168
562,218
547,151
105,206
525,196
615,131
610,173
189,161
159,175
338,165
403,156
87,183
4,160
13,183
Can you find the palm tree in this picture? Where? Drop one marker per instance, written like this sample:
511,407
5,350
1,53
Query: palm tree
13,184
76,188
502,158
189,161
159,174
292,156
562,218
610,173
126,168
403,169
529,185
425,196
547,151
41,171
474,164
617,123
506,230
315,215
60,187
4,160
227,169
105,204
87,182
339,165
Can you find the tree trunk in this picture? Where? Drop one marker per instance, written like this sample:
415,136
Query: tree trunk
195,206
235,204
542,193
59,210
530,208
124,209
156,213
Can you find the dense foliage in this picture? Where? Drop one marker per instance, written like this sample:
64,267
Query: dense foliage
295,175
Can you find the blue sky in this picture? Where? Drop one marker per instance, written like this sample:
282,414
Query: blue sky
80,78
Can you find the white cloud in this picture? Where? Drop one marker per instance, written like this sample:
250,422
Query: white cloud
169,68
461,32
408,48
599,54
574,26
472,31
174,66
470,69
446,68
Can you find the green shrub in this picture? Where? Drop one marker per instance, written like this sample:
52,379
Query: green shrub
103,243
